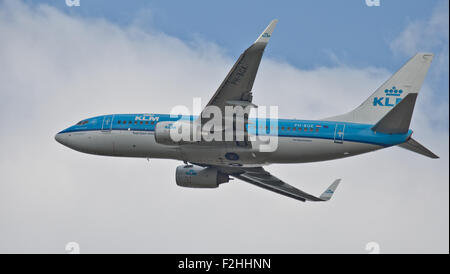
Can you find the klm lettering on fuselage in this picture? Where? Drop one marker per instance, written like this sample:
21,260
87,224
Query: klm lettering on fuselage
391,99
147,118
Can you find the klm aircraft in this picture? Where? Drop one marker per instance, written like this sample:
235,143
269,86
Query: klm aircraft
381,121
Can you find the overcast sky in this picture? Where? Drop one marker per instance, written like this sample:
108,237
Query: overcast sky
59,65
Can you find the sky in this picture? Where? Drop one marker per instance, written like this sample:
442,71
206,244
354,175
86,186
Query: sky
61,64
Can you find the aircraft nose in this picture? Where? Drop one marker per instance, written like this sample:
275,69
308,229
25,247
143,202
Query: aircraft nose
59,138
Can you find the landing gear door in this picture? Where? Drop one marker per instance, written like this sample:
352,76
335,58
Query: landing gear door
107,123
339,132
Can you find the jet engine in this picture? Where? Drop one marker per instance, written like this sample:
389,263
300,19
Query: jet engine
199,177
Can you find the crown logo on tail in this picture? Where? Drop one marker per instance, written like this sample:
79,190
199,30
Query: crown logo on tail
393,92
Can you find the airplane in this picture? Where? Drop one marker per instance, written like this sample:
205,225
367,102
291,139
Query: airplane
381,121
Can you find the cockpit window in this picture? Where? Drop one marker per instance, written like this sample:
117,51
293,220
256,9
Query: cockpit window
83,122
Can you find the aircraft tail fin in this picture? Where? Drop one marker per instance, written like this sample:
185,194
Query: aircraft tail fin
407,80
416,147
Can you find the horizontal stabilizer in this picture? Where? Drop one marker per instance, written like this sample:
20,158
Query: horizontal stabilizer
398,119
414,146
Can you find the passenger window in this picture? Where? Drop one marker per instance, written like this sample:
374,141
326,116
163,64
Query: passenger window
317,129
289,128
146,122
141,123
129,122
118,122
311,129
153,122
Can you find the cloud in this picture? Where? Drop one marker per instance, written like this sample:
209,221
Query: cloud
56,69
427,35
423,35
430,35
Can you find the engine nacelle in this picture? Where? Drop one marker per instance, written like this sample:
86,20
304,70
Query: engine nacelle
199,177
176,132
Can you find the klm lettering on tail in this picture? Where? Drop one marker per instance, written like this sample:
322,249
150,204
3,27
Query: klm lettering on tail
391,98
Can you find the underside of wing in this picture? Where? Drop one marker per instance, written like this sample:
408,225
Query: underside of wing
236,87
260,177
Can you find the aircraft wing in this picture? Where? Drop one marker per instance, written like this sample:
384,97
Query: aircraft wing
260,177
236,87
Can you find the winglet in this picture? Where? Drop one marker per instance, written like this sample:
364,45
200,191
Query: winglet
265,36
327,194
